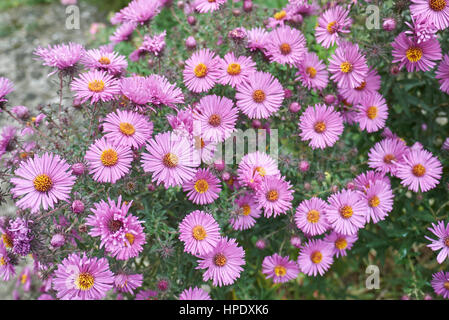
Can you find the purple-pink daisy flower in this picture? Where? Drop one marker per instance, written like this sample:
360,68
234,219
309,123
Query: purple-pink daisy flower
310,216
204,188
127,128
440,283
82,278
123,32
256,164
194,294
257,38
286,45
6,87
436,11
204,6
224,263
379,198
63,57
246,214
331,24
372,112
95,85
234,70
322,125
442,243
108,162
42,181
170,159
340,243
419,170
275,196
369,86
442,74
135,89
386,155
162,92
200,233
315,257
280,269
347,212
127,282
7,269
201,71
348,66
260,96
139,11
111,62
312,72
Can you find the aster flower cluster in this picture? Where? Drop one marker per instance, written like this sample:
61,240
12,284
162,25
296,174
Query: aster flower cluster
131,192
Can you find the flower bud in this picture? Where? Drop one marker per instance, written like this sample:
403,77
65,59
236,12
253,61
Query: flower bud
57,240
77,206
294,107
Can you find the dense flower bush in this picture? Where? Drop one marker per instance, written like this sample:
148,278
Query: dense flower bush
125,190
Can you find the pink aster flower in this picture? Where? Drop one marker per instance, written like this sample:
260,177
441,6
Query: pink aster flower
6,87
440,283
442,74
234,70
200,233
386,155
6,139
310,216
139,11
312,72
135,89
7,269
123,32
260,96
170,159
275,196
419,170
370,85
62,57
108,162
286,45
182,122
155,44
201,71
364,180
372,113
215,118
413,55
421,28
127,282
194,294
223,263
95,85
127,128
347,212
246,214
348,66
204,6
322,125
331,24
162,92
111,62
42,181
437,12
315,257
442,243
379,198
204,188
256,164
257,39
340,243
280,269
82,278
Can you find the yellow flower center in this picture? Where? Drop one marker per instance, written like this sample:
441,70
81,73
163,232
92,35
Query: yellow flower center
311,71
319,127
374,202
234,69
414,54
199,233
42,183
170,160
199,143
371,113
127,128
272,195
7,241
246,209
446,242
316,257
346,212
437,5
109,157
285,48
446,285
331,27
280,15
200,70
220,260
259,96
215,120
313,216
201,186
130,237
84,281
104,60
389,158
346,67
262,172
24,278
2,261
96,86
280,271
341,243
362,86
419,170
